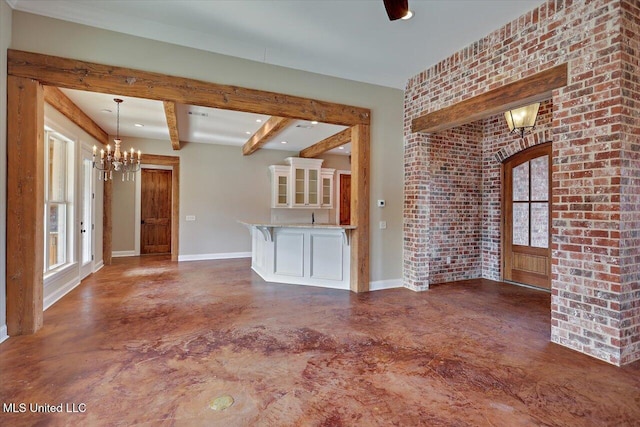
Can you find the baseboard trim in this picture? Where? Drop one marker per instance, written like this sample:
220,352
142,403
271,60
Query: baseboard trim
120,254
97,267
379,285
52,298
3,333
205,257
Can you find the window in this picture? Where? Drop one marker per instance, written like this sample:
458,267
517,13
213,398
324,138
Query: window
58,207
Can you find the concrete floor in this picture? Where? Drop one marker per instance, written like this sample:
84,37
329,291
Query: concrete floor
148,342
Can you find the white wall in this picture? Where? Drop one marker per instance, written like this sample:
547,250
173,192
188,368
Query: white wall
54,37
5,42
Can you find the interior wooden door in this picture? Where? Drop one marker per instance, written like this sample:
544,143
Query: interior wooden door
527,217
155,228
345,199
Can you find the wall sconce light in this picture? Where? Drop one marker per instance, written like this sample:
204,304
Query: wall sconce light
523,119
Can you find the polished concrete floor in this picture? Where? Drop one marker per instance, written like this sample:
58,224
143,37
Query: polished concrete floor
151,343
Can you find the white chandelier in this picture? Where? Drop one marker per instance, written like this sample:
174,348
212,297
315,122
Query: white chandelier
116,160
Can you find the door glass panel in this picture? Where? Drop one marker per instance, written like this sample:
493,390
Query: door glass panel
540,178
521,224
540,225
520,182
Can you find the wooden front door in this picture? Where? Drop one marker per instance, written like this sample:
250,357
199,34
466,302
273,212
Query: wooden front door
345,199
155,228
527,217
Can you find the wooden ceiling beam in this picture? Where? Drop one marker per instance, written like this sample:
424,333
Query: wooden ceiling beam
61,102
83,75
334,141
172,123
528,90
267,131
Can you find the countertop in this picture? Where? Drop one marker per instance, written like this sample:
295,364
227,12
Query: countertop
299,225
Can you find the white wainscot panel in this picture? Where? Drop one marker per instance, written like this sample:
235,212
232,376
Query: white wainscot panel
326,257
289,253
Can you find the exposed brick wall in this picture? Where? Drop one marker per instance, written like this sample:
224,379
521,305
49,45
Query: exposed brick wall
455,197
595,229
416,213
630,184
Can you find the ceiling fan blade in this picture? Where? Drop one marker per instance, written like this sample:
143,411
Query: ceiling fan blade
396,9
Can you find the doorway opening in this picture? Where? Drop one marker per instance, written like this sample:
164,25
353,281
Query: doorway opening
527,217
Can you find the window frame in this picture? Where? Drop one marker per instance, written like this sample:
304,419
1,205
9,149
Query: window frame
50,269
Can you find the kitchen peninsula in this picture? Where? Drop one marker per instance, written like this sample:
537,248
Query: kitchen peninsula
302,254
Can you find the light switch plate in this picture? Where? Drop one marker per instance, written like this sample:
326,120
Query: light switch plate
383,225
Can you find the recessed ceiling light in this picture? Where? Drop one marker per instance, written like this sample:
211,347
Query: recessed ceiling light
138,125
408,16
248,133
315,122
340,148
283,142
259,120
198,113
106,110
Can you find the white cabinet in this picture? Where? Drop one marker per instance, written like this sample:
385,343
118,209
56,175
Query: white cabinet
306,187
302,184
280,175
326,188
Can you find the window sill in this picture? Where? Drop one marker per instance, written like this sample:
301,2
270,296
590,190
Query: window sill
53,275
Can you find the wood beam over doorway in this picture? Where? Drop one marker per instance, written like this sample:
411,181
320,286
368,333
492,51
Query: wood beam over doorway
172,123
25,205
82,75
61,102
267,131
528,90
25,112
334,141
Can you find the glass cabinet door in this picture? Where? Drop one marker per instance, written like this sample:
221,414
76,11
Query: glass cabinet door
326,191
282,190
313,187
299,193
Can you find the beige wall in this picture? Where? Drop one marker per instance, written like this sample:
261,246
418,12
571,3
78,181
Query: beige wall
123,215
50,36
5,42
218,185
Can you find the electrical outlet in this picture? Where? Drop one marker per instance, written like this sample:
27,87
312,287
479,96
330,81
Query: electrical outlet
383,225
191,218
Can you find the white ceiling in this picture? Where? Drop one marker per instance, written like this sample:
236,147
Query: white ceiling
195,124
351,39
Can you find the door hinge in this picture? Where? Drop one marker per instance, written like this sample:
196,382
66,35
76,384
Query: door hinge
91,257
93,226
93,195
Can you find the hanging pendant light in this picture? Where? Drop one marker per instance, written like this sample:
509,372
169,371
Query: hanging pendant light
116,160
521,120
